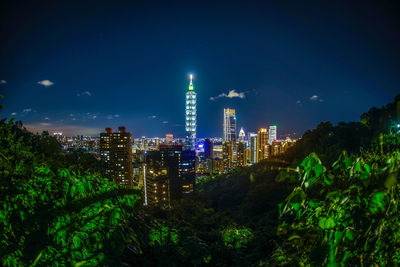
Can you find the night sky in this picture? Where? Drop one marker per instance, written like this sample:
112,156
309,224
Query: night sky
79,67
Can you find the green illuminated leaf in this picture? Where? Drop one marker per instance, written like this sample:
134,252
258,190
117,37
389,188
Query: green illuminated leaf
318,169
326,223
338,236
349,235
377,202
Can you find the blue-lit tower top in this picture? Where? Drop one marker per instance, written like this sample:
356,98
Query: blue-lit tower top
191,116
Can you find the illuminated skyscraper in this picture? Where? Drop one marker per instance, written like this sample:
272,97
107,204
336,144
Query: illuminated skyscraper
241,155
242,135
229,125
227,154
116,153
272,134
191,114
252,147
180,167
262,141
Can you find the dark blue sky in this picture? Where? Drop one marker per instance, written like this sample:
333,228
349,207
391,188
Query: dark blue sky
117,63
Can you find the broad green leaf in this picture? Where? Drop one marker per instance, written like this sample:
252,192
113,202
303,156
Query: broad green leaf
349,235
377,202
326,223
338,236
318,169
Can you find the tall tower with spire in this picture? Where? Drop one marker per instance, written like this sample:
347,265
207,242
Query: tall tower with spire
242,135
191,116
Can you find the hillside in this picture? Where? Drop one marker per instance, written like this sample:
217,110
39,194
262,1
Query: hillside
331,200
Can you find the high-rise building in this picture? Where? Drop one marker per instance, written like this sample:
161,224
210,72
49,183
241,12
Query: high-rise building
156,182
191,116
227,154
241,155
208,149
229,125
188,171
116,152
276,148
272,134
180,167
262,140
252,147
242,135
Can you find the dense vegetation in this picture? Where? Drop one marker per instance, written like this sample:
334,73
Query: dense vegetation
331,200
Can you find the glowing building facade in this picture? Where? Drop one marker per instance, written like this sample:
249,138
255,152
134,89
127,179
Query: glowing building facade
116,153
252,147
229,125
191,116
272,134
262,141
242,135
241,155
227,155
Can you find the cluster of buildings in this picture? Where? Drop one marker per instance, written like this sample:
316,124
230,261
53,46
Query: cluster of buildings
87,143
166,168
238,149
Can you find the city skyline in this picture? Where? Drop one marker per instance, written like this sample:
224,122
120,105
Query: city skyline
65,70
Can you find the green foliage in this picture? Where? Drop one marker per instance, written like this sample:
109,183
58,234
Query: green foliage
355,215
162,235
236,237
56,217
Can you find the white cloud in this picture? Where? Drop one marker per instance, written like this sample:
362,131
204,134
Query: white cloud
74,119
165,122
94,117
27,110
3,81
316,98
231,94
152,117
110,117
46,83
84,93
298,102
14,113
116,116
47,118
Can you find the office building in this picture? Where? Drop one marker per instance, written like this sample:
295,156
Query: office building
116,152
229,125
262,140
208,149
191,117
252,147
227,155
241,155
272,134
242,135
180,166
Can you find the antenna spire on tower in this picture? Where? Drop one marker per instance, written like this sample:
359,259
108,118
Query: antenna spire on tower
191,78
